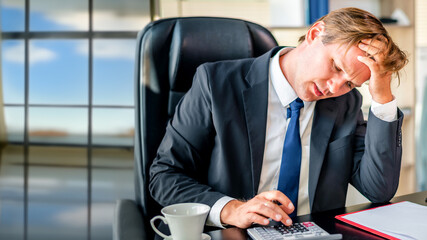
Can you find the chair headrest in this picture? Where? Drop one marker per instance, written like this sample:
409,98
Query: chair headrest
196,41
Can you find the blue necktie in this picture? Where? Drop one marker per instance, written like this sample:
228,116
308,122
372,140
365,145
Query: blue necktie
291,156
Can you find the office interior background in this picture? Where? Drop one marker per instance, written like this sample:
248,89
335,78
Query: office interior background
66,101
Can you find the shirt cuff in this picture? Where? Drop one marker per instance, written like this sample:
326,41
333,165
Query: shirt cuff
214,217
386,112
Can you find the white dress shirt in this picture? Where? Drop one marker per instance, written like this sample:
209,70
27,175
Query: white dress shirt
280,95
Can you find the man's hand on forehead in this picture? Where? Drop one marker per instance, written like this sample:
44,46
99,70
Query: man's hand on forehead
374,48
379,83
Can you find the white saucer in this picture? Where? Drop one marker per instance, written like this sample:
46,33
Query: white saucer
204,237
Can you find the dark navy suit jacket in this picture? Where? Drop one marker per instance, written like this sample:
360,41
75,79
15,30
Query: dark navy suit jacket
214,144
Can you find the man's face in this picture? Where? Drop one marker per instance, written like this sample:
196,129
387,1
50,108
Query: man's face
326,71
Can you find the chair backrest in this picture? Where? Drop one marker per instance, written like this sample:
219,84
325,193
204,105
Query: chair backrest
167,54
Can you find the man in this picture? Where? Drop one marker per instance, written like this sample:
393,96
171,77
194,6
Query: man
225,143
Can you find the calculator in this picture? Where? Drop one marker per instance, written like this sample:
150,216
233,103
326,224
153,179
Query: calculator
303,231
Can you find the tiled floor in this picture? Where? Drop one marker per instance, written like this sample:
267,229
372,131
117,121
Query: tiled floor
57,195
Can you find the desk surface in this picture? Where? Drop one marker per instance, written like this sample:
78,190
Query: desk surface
327,221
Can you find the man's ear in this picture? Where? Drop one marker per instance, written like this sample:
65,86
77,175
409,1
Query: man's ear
315,31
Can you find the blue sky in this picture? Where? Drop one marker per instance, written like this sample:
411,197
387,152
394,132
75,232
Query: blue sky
12,19
59,72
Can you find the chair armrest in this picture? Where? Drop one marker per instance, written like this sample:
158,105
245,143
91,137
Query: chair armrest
128,222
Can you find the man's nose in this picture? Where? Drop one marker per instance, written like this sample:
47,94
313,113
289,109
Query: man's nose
335,84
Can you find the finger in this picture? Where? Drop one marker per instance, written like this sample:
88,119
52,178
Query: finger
269,210
279,197
379,43
287,209
375,68
256,218
280,212
368,61
287,221
281,205
370,50
284,212
375,48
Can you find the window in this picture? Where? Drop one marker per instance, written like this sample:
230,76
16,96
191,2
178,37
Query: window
67,118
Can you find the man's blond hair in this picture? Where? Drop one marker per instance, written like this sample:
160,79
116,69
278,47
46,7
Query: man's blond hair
349,26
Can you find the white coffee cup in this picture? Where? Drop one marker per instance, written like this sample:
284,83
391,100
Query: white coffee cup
185,221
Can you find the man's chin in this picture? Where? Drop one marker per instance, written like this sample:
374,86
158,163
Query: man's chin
309,98
313,97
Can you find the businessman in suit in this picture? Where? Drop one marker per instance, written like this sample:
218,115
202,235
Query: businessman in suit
225,144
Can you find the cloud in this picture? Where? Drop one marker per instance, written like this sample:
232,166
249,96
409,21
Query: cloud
109,20
77,20
75,16
110,49
103,20
38,54
16,54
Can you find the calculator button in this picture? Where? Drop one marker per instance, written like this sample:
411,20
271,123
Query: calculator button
308,224
282,232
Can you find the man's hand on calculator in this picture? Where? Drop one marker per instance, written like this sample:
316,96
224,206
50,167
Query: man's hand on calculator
264,206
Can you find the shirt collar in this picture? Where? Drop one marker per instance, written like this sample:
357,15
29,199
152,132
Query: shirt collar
284,90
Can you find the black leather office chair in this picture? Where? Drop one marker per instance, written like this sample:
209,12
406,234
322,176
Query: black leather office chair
167,54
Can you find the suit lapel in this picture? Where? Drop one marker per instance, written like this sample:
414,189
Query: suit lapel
255,101
323,122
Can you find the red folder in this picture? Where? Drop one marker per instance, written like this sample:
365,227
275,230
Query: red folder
341,218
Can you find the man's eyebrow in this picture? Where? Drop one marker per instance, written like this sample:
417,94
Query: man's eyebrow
344,69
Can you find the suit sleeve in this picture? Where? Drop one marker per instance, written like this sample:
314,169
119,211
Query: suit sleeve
179,171
378,156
